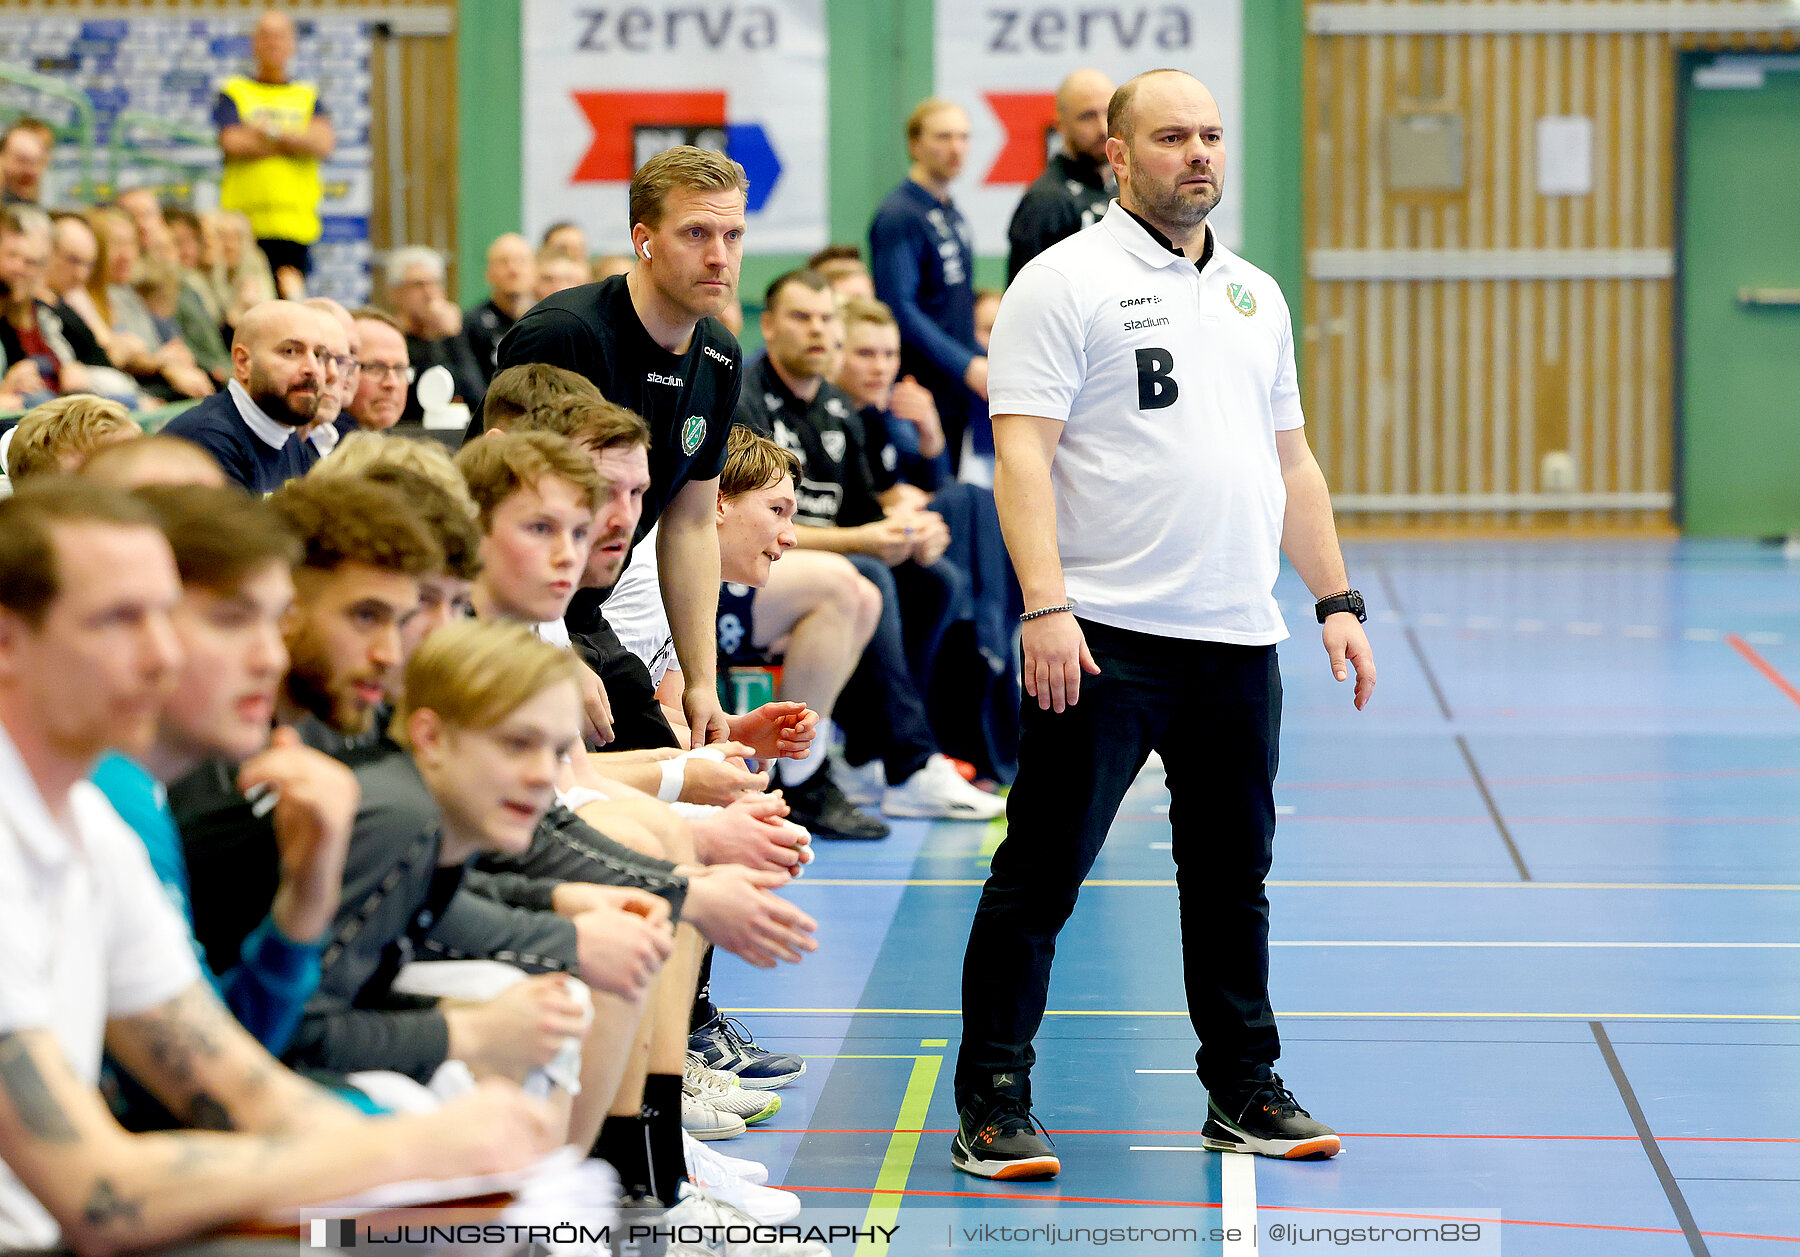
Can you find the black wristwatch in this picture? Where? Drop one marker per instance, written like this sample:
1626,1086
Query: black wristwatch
1349,600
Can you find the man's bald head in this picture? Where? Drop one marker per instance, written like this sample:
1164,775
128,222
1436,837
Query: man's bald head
1122,112
280,355
511,268
272,43
1081,104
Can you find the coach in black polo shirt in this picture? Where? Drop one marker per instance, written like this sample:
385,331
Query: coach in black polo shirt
1077,184
651,341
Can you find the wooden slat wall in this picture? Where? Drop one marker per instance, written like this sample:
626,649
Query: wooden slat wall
1461,386
428,112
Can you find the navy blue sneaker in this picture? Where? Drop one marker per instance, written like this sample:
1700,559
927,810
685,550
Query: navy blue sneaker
723,1043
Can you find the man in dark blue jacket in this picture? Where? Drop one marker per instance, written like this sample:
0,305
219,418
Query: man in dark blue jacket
924,266
278,378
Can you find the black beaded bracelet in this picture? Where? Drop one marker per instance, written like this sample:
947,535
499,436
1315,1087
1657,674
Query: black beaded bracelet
1043,611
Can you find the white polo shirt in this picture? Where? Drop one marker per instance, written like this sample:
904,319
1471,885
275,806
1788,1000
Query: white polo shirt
1171,383
634,610
86,934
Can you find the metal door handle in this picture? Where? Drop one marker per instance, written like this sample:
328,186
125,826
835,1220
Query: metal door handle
1769,297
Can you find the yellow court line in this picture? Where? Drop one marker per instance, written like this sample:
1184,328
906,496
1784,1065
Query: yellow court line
902,1150
1347,1016
1784,887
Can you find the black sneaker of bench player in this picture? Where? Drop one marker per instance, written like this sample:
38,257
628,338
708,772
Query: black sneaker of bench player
997,1137
1263,1117
819,806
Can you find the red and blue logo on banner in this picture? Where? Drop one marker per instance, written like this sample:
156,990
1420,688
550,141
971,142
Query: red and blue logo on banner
630,127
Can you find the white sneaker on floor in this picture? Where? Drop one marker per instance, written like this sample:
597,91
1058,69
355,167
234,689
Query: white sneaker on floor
746,1169
722,1090
862,784
699,1207
701,1119
938,792
709,1170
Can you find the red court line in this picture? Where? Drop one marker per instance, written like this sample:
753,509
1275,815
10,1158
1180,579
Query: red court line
1361,1213
1769,671
1354,1134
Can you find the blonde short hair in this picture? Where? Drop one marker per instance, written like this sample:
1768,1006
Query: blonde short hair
684,167
752,462
359,451
865,310
915,121
476,673
502,463
59,435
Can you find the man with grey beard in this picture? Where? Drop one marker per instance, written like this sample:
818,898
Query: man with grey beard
281,360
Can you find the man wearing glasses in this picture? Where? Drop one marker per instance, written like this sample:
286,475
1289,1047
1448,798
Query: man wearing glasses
384,375
343,348
280,374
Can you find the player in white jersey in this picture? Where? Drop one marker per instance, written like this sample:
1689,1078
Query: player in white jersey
1152,468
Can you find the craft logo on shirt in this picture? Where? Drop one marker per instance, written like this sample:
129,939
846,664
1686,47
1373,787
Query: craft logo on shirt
693,431
710,352
1242,300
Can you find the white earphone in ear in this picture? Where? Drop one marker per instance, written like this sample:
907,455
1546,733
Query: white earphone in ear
646,250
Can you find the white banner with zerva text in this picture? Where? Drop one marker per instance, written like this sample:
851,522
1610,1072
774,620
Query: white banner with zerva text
1002,62
608,86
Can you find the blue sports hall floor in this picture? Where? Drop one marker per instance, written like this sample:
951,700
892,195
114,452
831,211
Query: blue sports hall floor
1536,927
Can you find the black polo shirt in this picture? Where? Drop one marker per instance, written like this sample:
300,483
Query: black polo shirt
687,399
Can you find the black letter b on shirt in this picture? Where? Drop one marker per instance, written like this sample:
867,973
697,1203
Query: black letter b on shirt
1156,387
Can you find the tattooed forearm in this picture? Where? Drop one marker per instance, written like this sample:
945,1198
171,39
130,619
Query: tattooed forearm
30,1094
206,1113
105,1206
178,1036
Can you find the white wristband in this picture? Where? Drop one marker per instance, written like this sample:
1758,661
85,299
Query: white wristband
674,774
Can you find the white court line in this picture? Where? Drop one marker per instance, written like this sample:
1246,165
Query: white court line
1162,1071
1237,1195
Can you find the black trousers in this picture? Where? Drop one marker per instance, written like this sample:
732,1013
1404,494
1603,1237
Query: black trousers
1213,712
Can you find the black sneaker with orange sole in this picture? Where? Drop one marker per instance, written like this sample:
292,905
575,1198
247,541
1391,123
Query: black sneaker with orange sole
1263,1117
997,1137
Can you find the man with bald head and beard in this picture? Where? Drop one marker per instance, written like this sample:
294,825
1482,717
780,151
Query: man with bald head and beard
1077,183
280,359
1152,468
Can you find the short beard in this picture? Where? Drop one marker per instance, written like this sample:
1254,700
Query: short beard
275,405
1169,206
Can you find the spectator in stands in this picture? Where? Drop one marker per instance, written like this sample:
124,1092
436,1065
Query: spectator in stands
1077,183
37,360
512,286
343,374
842,480
86,654
57,437
240,271
146,214
278,379
923,259
610,264
73,250
200,313
157,282
133,340
274,134
432,324
568,239
843,267
902,408
24,160
384,372
557,271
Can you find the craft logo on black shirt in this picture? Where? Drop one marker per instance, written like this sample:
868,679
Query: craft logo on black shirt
710,352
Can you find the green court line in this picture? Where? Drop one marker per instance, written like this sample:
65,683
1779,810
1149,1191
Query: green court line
902,1151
